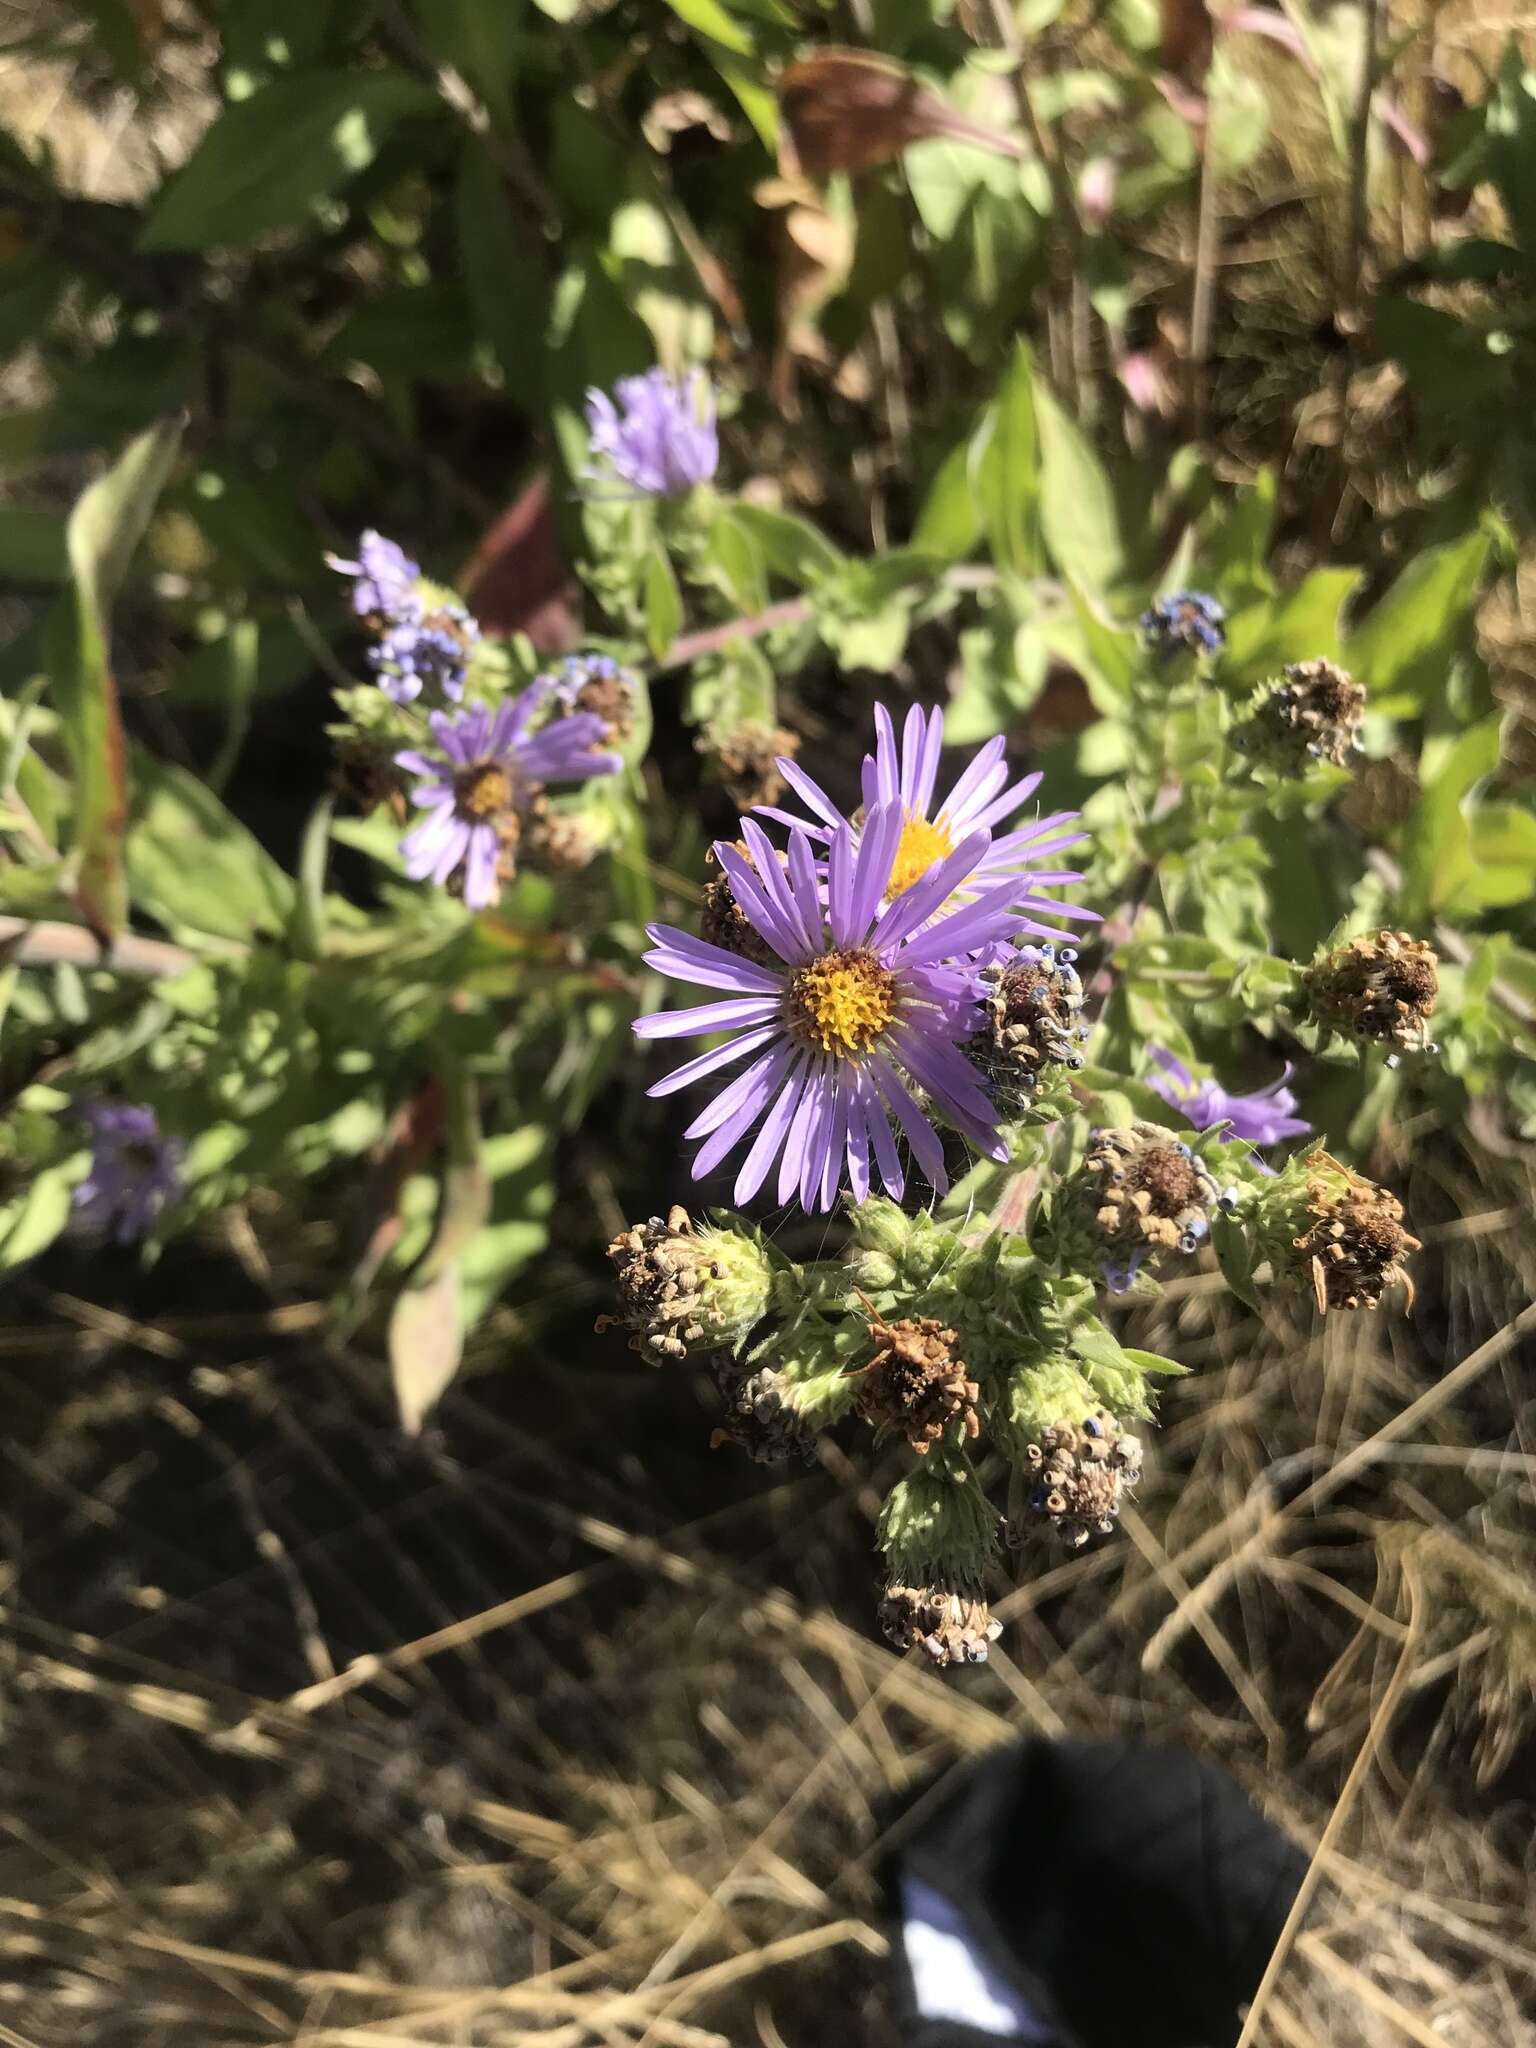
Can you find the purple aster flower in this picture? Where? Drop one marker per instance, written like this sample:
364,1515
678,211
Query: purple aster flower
384,577
1263,1118
980,801
490,764
1188,619
135,1171
660,439
855,1021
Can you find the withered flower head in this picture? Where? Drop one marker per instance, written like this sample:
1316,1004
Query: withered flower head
1080,1471
1149,1193
952,1624
680,1287
1354,1245
748,755
1381,986
915,1383
724,923
1314,712
758,1417
1033,1012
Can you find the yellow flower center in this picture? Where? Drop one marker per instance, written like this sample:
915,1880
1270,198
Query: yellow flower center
920,845
840,1003
483,791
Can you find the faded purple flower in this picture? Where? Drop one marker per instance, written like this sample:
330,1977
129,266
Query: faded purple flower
134,1172
429,649
1262,1118
855,1025
489,766
660,438
384,578
1189,620
981,801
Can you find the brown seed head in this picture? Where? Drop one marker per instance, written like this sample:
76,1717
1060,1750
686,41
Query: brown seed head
1381,986
915,1383
1148,1190
748,755
1354,1247
1080,1473
953,1625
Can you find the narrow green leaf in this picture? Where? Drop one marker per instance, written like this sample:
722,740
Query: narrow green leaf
949,523
266,160
1005,468
194,867
104,528
1078,513
792,547
36,1219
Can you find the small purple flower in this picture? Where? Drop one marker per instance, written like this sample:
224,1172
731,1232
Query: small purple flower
474,791
384,577
134,1172
578,670
856,1035
1263,1118
981,800
427,649
1186,619
660,439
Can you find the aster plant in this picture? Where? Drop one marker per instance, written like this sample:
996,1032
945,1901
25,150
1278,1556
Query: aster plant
892,1009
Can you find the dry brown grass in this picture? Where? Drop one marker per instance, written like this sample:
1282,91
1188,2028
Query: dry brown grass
313,1737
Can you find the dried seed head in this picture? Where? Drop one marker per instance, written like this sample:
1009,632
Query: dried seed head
915,1383
1148,1193
1314,712
748,757
759,1416
1034,1019
1079,1472
557,842
1381,986
596,684
682,1288
366,774
1354,1245
952,1624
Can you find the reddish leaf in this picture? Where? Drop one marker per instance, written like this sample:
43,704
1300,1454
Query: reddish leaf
848,110
518,580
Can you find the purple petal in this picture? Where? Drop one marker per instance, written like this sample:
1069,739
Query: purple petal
689,958
744,1010
711,1062
765,1145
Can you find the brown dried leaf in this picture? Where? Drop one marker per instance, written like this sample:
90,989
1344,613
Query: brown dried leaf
849,110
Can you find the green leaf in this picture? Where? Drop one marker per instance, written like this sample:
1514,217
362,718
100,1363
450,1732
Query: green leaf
266,160
709,18
1300,625
1234,558
503,275
104,529
37,1218
737,558
1153,1361
1005,468
1234,1255
482,40
195,868
663,603
1436,837
949,523
792,547
1077,503
1402,651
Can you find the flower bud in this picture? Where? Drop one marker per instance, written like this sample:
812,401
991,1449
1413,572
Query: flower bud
1382,986
682,1288
952,1624
915,1383
889,1249
1314,712
938,1525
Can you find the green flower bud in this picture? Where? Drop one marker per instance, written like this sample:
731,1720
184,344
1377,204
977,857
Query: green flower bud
683,1289
1039,1392
904,1252
938,1525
